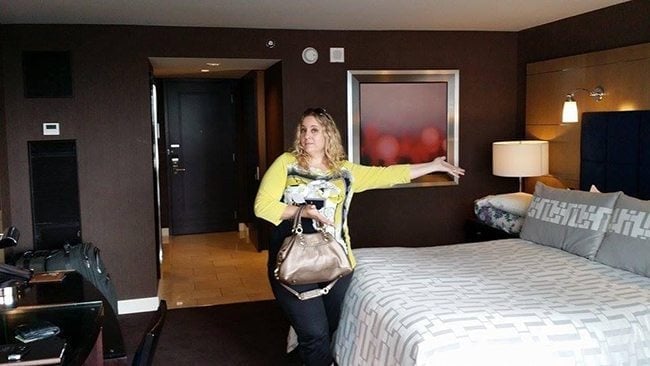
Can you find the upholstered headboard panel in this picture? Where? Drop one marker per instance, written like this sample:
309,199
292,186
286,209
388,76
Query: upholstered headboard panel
615,152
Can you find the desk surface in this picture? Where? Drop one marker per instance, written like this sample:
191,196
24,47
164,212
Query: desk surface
80,326
70,293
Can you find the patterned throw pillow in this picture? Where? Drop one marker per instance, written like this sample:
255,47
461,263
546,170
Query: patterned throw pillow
627,242
574,221
515,203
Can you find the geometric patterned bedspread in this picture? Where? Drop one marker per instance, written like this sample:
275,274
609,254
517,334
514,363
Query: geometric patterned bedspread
503,302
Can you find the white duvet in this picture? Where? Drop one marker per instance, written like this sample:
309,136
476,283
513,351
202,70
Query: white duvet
505,302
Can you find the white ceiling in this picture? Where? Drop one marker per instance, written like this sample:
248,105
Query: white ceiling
481,15
478,15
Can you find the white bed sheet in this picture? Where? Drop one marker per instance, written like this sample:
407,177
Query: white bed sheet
504,302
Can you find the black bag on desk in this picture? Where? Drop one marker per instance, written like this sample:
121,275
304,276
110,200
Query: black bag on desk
83,258
34,260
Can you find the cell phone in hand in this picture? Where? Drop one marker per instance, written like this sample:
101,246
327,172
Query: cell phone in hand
319,203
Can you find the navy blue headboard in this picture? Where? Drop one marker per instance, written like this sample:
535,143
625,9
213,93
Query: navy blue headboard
615,152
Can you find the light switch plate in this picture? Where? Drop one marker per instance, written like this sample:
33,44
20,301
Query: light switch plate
51,129
337,54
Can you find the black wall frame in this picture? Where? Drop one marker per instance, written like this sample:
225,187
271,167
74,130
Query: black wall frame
47,74
55,193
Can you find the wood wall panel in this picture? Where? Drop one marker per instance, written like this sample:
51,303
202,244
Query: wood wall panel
622,72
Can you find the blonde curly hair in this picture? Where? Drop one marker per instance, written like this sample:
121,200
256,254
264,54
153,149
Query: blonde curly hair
334,152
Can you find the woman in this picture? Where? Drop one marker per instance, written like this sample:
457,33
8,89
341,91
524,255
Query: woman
316,173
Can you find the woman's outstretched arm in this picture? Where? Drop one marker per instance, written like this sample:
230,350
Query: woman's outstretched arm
436,165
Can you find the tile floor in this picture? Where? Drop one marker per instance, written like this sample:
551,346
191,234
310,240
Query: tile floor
211,269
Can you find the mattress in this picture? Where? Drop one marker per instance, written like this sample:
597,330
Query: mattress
504,302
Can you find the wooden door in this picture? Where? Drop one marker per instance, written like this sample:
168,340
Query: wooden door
201,155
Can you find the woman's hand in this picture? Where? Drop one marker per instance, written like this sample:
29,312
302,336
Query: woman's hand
312,212
441,165
436,165
309,212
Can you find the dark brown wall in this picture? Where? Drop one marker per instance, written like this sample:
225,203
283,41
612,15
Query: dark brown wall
110,119
615,26
435,215
620,25
4,178
273,113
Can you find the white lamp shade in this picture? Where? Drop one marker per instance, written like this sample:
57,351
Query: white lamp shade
527,158
570,112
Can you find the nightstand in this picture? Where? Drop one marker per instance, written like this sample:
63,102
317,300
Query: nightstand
475,230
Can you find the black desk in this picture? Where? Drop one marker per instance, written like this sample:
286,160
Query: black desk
70,295
80,326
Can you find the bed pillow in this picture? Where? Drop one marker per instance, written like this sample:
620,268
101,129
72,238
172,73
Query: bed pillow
627,242
498,219
571,220
515,203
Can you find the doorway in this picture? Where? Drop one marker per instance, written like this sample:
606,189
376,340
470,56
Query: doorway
210,241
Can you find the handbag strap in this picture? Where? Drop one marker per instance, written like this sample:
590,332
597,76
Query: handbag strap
297,225
297,222
311,293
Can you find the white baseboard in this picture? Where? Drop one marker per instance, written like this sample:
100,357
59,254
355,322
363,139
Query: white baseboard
141,305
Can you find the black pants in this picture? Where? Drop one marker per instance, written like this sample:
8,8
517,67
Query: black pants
314,320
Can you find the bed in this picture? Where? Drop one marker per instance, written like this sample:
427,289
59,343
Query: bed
573,290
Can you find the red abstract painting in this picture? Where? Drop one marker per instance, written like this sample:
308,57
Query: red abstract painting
402,122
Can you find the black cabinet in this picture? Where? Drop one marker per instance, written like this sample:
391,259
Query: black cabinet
475,230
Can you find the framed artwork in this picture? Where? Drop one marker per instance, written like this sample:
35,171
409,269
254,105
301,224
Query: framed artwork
404,116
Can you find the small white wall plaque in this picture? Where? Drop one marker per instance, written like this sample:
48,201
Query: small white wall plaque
337,54
51,129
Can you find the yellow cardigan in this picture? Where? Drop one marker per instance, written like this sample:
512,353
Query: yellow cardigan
286,183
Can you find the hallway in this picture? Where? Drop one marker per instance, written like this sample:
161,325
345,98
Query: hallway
211,269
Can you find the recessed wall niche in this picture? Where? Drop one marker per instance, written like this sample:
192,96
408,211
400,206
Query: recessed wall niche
54,193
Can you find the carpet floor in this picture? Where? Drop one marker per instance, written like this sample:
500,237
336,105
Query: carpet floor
251,333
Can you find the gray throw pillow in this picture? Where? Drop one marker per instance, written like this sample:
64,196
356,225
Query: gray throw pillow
627,242
570,220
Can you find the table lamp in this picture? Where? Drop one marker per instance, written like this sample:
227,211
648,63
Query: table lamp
523,158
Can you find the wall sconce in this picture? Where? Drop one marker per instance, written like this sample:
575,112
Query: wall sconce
570,109
525,158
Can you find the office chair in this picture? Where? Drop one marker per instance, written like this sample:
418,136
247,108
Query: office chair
145,352
9,238
11,275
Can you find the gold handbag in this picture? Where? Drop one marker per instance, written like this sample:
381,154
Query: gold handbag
310,258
